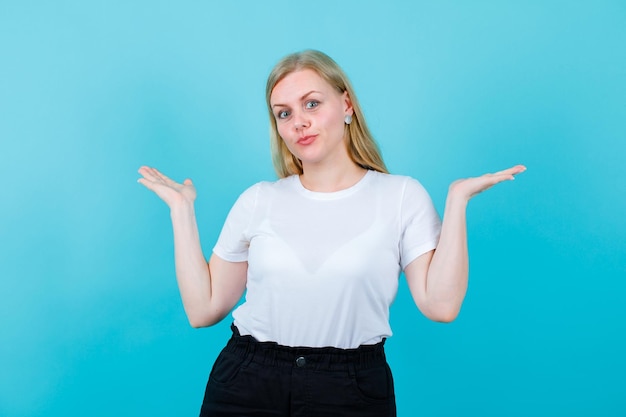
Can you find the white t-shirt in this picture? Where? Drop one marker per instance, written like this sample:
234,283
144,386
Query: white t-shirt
323,268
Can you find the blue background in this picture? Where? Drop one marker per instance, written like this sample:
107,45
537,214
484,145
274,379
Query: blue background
91,321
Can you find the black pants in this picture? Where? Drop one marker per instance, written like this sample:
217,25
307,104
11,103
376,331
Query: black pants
252,378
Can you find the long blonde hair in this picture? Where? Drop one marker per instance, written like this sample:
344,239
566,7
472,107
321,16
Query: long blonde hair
360,144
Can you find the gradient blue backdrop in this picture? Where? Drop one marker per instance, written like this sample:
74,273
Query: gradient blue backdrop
91,321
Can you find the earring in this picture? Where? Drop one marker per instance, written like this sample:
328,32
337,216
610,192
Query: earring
348,119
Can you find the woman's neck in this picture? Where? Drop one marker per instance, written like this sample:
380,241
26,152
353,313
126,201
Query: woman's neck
330,179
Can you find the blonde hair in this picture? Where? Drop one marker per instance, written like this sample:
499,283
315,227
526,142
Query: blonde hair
360,144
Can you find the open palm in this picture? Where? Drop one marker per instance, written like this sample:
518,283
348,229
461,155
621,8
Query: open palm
469,187
170,191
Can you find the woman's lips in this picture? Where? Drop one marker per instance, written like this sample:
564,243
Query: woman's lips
306,140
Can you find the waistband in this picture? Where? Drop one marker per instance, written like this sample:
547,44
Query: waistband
324,358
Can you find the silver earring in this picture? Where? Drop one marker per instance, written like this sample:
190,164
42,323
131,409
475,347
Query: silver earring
348,119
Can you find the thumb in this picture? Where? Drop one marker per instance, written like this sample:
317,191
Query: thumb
187,182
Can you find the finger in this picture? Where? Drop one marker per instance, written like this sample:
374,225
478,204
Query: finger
494,179
517,169
144,170
487,181
165,179
146,183
149,173
154,175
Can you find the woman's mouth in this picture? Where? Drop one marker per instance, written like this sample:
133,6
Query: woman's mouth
306,140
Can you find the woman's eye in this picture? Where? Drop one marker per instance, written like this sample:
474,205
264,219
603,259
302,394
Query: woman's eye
311,104
282,114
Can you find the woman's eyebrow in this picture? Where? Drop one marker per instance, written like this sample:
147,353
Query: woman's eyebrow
301,98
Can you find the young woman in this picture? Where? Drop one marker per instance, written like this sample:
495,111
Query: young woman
319,252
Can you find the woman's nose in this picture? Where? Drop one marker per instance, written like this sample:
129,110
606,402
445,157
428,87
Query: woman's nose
300,122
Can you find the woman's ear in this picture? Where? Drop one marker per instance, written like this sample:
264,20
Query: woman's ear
347,104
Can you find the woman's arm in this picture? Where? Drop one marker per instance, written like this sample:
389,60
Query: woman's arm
208,290
438,279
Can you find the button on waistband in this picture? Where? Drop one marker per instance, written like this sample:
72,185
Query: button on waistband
300,362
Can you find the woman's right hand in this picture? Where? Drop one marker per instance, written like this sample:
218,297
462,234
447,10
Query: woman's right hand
171,192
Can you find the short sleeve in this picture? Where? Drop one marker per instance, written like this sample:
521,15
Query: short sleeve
420,223
233,242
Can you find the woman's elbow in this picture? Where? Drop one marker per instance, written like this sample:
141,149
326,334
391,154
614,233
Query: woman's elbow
197,323
199,320
443,314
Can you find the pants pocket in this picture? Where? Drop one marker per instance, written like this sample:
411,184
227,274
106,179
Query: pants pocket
225,368
374,384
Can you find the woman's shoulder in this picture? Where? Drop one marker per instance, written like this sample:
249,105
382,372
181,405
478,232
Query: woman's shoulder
267,186
395,180
402,187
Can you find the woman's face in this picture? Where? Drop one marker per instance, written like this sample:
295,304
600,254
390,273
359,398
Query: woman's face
310,115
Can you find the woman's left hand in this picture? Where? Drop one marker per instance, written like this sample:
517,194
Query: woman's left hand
468,187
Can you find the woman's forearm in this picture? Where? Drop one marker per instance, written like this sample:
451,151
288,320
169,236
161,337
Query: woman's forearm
446,282
192,270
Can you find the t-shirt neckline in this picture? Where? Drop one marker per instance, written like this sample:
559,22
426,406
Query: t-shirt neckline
319,195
